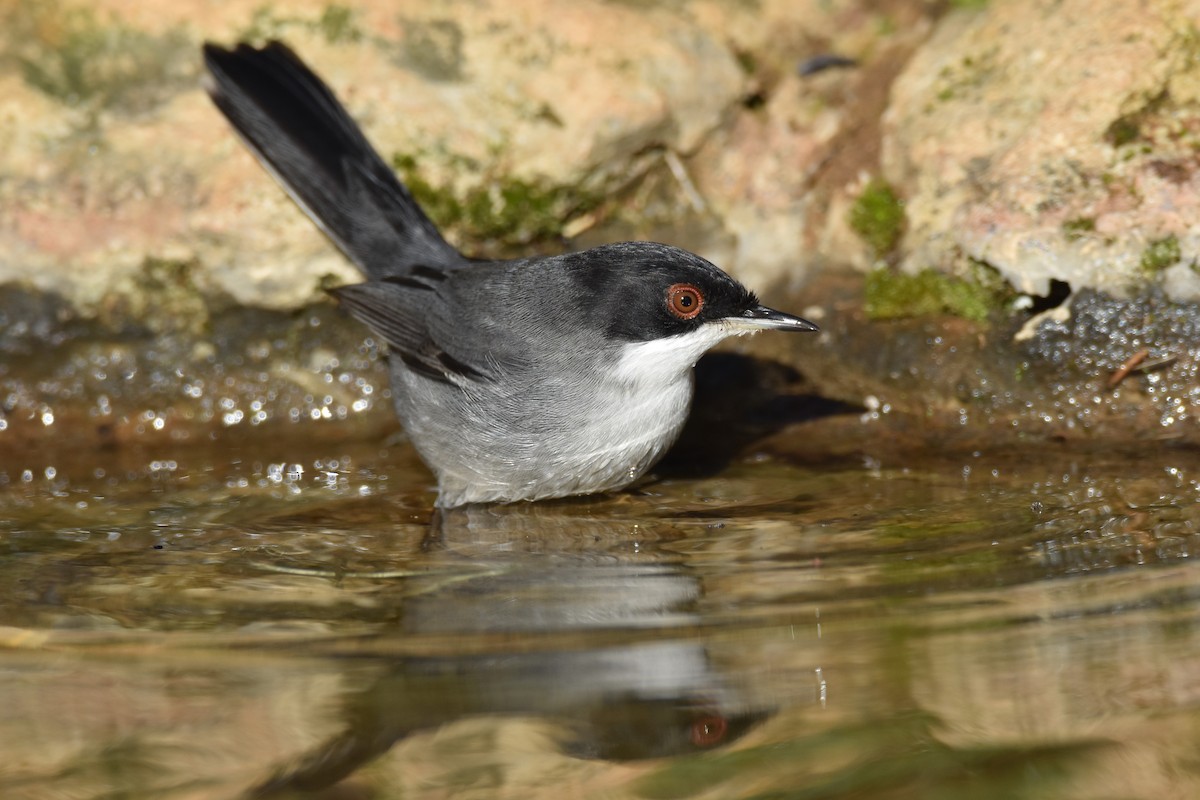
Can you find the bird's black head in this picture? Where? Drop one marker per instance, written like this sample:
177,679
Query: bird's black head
640,291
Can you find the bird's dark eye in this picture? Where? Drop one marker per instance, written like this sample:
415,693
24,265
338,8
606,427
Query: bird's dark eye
684,300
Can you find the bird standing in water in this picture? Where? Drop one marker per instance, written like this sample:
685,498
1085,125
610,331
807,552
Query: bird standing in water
515,380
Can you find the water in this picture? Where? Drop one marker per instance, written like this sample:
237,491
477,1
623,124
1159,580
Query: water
275,618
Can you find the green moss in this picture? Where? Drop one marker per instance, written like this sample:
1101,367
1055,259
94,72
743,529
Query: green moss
1160,254
893,295
747,61
264,24
971,4
547,114
989,279
966,76
337,24
878,217
76,58
502,209
1078,227
434,48
161,298
442,206
1122,131
1127,128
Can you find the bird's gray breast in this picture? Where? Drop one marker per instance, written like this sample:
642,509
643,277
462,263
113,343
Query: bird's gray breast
577,426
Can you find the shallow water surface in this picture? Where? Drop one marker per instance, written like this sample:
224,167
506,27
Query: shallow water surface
280,620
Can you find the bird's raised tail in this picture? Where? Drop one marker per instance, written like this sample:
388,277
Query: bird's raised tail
307,140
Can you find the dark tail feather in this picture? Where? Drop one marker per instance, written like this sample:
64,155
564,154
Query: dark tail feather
307,140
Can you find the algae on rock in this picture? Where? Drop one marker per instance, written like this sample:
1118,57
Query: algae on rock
877,216
892,295
502,210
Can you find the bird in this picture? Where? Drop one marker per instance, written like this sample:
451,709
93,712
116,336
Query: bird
515,380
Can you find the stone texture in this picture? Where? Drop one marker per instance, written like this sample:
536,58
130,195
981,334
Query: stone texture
112,154
1054,140
780,176
137,235
958,385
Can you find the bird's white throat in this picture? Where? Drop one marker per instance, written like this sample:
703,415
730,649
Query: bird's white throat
659,361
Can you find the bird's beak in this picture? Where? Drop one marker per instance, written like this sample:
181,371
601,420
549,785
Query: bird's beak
763,318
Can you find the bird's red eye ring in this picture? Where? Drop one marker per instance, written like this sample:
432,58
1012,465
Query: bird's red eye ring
709,730
684,300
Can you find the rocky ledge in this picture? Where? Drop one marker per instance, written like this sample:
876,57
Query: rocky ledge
991,208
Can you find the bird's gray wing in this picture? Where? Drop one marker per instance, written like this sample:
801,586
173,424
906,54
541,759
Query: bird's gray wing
410,313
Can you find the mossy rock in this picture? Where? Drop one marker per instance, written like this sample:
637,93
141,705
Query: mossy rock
79,57
877,216
504,210
892,295
1161,254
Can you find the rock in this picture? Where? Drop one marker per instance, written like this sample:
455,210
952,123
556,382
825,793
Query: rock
68,384
1054,141
140,243
779,175
512,114
1111,373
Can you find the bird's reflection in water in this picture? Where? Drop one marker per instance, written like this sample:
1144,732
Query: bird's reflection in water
554,569
559,573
